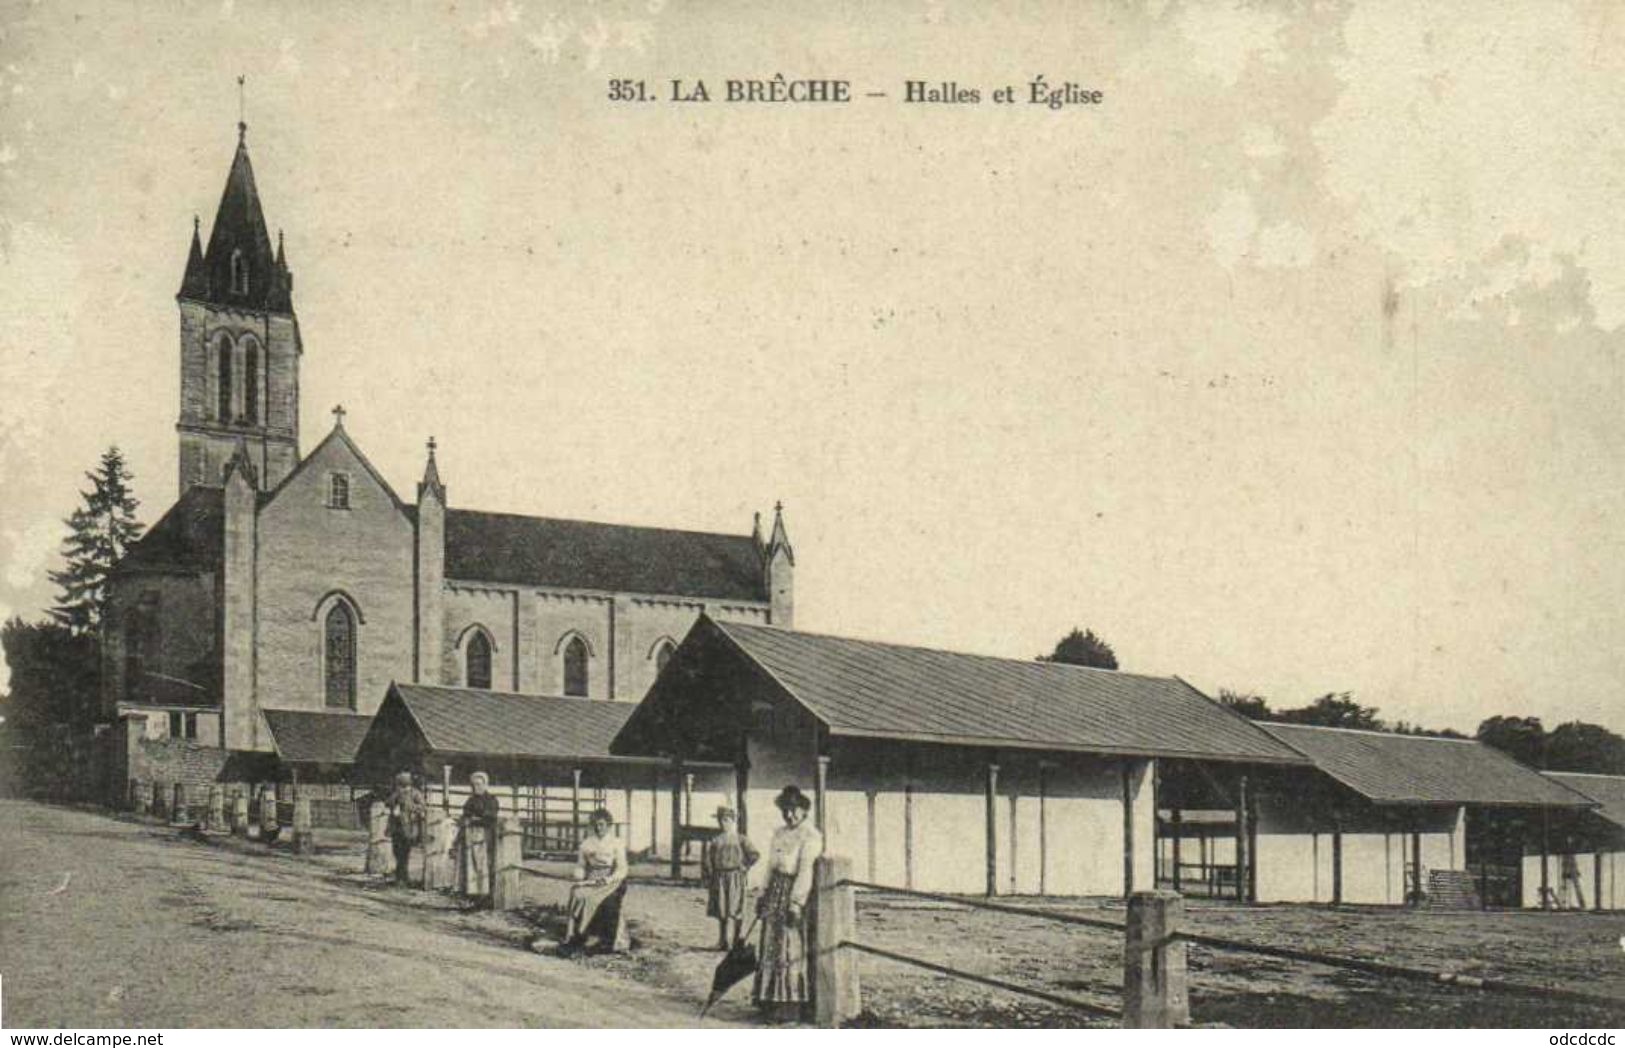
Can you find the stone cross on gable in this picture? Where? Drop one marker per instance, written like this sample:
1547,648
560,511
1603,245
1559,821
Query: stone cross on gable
338,415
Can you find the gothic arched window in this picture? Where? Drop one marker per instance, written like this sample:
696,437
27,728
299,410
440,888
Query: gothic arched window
478,674
575,667
251,383
223,379
339,656
663,655
239,272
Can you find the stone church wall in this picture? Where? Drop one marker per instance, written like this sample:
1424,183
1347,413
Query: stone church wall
309,554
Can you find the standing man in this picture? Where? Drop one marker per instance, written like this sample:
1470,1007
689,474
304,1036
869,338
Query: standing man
480,815
407,810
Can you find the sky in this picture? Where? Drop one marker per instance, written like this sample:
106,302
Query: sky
1292,367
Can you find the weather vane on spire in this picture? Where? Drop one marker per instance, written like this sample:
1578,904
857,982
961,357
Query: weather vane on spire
242,107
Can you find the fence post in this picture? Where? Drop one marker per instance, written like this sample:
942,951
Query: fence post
380,856
239,813
304,841
831,921
506,838
1155,996
268,823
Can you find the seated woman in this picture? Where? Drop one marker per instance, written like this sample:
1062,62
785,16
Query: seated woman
596,920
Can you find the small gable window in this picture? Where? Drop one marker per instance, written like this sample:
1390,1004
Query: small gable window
239,272
663,655
338,656
338,491
479,661
575,667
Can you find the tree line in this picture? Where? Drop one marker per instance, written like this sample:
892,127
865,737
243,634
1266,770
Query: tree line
1575,746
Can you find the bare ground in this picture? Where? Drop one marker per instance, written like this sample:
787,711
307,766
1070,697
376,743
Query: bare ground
109,922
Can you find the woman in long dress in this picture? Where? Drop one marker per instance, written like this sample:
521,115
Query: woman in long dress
780,989
596,918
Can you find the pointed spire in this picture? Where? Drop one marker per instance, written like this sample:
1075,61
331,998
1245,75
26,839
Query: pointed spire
430,484
781,537
756,531
281,256
240,262
195,284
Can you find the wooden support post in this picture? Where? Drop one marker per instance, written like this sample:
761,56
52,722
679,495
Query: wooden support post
677,819
304,839
445,788
908,824
1596,876
742,786
380,855
870,843
831,921
1015,844
1545,874
1252,845
1128,829
1416,870
1241,840
991,830
506,839
821,795
1043,828
1337,862
1177,819
654,812
239,814
1155,996
575,807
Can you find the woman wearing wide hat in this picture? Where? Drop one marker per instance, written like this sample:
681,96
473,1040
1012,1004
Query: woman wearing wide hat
780,988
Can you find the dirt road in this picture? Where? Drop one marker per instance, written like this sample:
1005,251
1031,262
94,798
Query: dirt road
111,923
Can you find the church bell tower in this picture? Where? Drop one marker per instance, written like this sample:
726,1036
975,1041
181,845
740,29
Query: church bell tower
240,343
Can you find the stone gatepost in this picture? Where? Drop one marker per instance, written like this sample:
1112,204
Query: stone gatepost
304,841
239,813
268,823
215,821
160,802
439,871
380,855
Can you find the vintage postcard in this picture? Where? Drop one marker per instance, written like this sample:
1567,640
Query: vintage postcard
650,513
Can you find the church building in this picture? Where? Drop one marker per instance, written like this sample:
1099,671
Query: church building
283,593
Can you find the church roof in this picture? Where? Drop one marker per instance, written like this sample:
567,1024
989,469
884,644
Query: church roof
239,229
189,537
311,737
544,551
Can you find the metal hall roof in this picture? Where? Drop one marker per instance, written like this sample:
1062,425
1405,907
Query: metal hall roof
1424,769
305,736
1606,790
495,723
870,689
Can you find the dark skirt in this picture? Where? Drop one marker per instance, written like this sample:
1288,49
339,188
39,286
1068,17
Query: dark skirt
781,976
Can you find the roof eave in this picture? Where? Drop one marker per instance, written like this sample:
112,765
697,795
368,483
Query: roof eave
838,731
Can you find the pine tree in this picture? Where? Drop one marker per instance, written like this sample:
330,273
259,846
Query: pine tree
99,533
